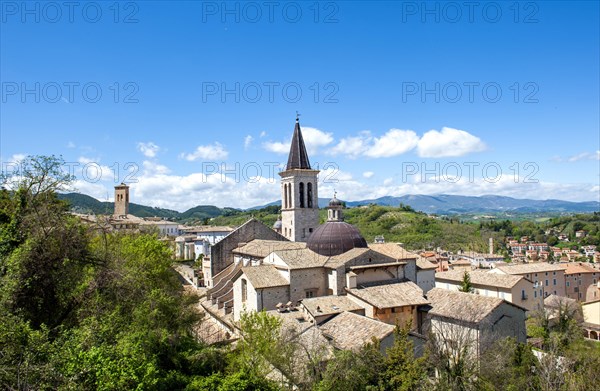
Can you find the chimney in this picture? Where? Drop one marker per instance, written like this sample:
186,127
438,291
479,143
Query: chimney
351,280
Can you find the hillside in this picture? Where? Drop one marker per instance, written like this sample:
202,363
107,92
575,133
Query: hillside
82,203
463,207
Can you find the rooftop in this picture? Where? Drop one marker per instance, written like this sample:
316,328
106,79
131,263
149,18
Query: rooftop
481,278
301,258
390,295
554,301
536,267
329,305
338,260
260,248
577,267
424,264
264,276
467,307
207,228
349,331
393,250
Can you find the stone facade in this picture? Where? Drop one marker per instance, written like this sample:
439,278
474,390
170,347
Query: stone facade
256,299
299,203
121,200
221,253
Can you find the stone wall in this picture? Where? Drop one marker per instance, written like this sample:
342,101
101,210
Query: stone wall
307,279
221,253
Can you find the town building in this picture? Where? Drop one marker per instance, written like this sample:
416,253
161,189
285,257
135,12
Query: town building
468,322
547,278
515,289
581,281
591,319
326,278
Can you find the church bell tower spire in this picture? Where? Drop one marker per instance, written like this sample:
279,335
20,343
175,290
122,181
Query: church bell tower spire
299,196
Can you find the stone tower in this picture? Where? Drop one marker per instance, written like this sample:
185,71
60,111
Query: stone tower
121,200
299,196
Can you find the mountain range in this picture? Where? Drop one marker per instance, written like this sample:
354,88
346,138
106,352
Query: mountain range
444,204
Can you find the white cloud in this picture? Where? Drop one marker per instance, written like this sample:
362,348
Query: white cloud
585,156
17,158
248,141
444,143
208,152
388,181
277,147
368,174
149,149
71,144
263,134
351,146
394,142
92,171
313,139
152,168
447,143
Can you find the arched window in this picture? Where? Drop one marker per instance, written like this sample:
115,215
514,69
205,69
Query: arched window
285,197
289,195
244,290
301,194
309,195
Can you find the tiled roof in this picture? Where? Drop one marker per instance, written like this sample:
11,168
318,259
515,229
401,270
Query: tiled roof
424,264
208,228
537,267
554,301
260,248
264,276
467,307
481,278
390,295
329,305
461,262
339,260
393,250
576,267
349,331
301,258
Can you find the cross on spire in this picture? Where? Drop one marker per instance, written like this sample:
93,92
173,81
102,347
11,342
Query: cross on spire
297,116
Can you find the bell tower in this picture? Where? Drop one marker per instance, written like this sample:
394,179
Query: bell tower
121,200
299,196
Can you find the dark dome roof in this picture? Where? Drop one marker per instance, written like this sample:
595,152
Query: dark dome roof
277,224
334,202
335,237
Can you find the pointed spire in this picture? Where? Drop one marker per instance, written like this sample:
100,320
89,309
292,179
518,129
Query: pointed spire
298,157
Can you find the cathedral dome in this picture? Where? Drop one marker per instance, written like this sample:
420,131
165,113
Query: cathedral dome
277,225
335,237
335,202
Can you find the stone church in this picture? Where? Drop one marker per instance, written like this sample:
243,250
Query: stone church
324,269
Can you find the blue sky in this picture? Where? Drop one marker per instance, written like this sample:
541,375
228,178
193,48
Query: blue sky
388,90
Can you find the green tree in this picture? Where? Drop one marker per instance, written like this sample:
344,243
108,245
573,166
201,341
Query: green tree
466,285
402,370
354,370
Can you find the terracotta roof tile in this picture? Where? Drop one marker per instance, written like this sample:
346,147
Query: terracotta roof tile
264,276
481,278
349,331
391,295
467,307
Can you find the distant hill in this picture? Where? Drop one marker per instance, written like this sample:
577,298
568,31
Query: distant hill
82,203
442,204
456,204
